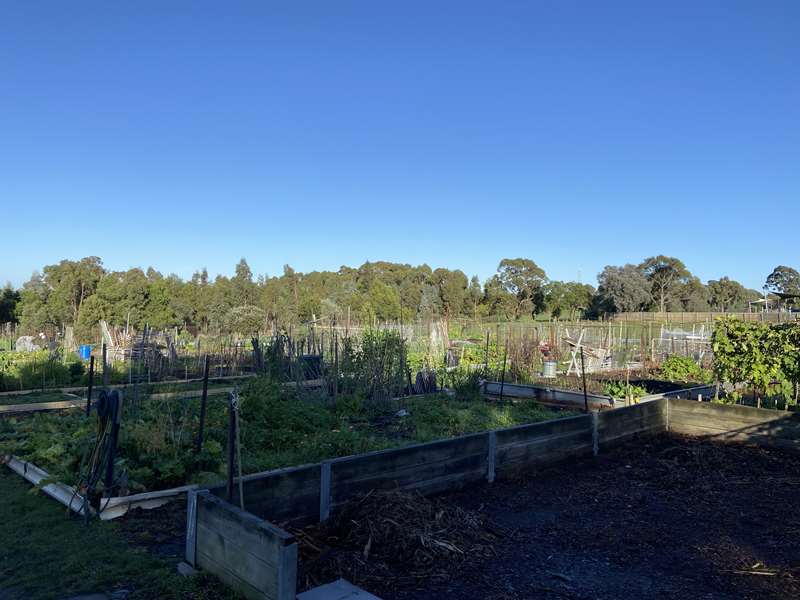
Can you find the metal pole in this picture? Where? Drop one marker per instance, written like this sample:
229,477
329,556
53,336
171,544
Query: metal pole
91,384
199,445
583,373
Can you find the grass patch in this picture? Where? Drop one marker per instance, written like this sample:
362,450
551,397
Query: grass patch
46,554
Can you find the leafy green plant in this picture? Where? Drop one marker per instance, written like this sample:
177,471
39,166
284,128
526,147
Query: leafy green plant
279,428
684,369
624,391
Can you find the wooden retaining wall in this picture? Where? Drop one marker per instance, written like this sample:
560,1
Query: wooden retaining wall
540,444
256,557
286,496
614,427
731,423
249,554
427,468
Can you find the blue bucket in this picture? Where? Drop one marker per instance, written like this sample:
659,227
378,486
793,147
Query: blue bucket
85,351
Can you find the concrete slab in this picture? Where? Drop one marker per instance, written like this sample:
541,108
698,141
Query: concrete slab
338,590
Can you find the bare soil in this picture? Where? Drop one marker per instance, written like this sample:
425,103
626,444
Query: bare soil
662,517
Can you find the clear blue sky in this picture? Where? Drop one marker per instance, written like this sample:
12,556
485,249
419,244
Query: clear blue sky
579,134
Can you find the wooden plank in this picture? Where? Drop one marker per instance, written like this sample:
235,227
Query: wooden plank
218,514
614,427
742,437
225,551
347,480
384,462
221,570
8,410
544,450
652,411
614,438
618,430
434,485
64,494
743,412
776,429
788,423
283,494
287,573
543,429
191,528
325,490
491,457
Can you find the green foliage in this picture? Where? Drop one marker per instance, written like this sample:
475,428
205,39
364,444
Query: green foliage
26,370
756,353
666,275
684,369
278,429
466,382
9,298
622,289
624,391
374,368
784,280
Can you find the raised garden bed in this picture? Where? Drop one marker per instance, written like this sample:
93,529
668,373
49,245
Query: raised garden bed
278,430
248,551
667,517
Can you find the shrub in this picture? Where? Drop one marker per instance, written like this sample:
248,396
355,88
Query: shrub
624,391
684,369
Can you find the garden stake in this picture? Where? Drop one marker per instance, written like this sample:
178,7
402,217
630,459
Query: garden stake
238,450
115,417
199,445
105,365
231,445
503,377
583,372
91,383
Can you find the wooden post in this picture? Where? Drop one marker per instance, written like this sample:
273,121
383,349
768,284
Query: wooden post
503,376
91,384
231,446
486,353
583,373
335,366
105,366
325,490
492,457
203,400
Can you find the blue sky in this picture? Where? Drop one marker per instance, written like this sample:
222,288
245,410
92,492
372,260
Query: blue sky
579,134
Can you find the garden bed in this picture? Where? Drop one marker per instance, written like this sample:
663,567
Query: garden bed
157,437
664,517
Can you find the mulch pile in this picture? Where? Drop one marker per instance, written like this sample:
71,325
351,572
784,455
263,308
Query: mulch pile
395,538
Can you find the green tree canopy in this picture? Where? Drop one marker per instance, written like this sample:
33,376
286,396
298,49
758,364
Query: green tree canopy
524,280
665,274
623,289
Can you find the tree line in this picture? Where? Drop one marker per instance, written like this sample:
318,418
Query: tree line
80,293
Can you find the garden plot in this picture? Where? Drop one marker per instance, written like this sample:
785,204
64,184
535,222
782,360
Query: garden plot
158,436
669,517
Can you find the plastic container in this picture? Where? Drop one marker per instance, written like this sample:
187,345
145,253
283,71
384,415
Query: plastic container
85,351
549,368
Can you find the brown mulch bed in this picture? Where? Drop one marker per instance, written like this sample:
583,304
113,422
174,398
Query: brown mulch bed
393,538
662,517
